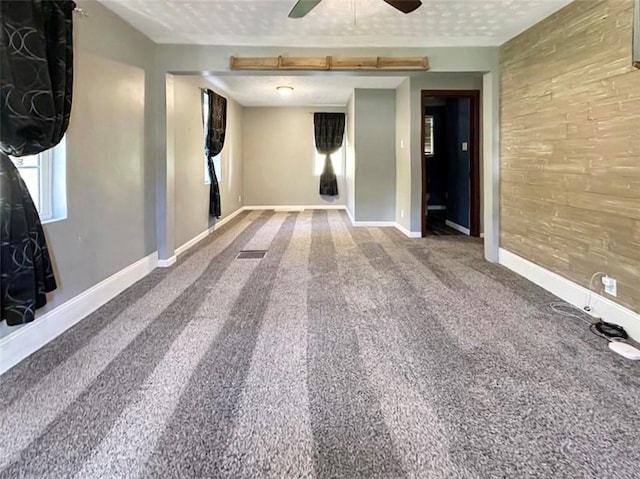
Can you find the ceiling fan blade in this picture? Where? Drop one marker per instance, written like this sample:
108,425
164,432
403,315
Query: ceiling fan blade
303,7
405,6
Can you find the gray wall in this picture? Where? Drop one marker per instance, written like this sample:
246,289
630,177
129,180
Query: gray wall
350,167
375,133
110,162
278,158
192,195
403,154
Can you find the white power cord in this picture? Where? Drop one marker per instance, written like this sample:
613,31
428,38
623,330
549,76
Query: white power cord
593,276
570,311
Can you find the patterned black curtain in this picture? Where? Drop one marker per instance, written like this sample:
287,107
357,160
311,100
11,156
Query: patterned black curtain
36,78
329,132
216,131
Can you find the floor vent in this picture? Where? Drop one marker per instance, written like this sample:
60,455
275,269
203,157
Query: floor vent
252,254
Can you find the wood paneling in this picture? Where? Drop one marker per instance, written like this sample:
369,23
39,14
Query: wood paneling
570,145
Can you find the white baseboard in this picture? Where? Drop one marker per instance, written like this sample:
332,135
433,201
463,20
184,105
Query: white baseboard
407,233
30,337
457,227
166,263
369,224
351,218
573,293
379,224
375,224
194,241
436,207
191,243
294,207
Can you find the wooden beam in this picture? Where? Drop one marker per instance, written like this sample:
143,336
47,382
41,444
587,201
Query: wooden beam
403,63
330,63
254,63
303,63
354,63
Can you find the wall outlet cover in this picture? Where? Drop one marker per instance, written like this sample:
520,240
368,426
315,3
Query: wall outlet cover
610,286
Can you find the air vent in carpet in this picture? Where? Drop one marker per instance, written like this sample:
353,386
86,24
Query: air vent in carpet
252,254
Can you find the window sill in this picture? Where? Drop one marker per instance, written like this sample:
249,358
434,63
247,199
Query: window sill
53,220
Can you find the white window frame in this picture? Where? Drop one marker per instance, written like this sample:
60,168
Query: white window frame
45,182
429,149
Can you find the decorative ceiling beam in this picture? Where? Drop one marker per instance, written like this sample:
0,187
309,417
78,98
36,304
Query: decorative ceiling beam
330,63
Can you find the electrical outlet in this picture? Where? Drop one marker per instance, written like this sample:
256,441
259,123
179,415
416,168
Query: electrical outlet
465,146
610,286
239,198
401,213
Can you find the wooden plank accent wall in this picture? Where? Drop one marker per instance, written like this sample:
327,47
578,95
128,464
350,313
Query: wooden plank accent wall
570,145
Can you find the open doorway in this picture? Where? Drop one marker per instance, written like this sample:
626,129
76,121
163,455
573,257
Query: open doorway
450,162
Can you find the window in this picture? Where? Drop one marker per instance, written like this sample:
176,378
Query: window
45,177
337,160
428,135
217,160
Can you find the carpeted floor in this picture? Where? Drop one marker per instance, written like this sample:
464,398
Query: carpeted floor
345,352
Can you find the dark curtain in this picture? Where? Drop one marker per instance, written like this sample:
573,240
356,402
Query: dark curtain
216,131
36,78
329,132
25,267
36,74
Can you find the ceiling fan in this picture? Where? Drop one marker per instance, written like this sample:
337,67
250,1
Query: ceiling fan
302,7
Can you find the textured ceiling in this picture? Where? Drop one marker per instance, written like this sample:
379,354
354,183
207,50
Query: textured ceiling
307,90
348,23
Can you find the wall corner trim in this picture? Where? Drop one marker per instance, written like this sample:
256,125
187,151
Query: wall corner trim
572,293
166,263
351,218
407,233
32,336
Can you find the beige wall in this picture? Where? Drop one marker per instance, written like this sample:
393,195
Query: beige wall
192,194
278,158
570,146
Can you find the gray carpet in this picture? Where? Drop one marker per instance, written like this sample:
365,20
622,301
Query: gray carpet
345,352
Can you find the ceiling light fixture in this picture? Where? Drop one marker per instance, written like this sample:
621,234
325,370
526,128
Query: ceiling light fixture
284,90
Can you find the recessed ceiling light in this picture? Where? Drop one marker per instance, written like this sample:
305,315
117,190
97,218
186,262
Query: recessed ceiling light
284,90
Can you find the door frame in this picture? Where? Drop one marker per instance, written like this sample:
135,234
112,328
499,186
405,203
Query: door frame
474,200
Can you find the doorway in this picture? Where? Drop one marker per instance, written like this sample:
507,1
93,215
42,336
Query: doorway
450,162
